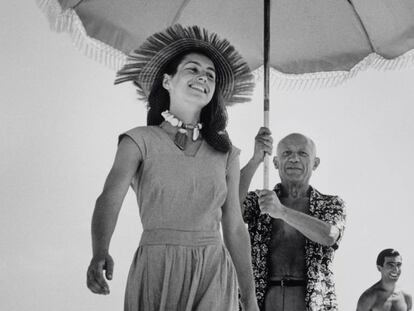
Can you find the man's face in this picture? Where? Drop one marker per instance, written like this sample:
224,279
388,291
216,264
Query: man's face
295,159
391,269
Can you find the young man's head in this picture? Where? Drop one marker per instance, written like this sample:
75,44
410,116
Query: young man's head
389,263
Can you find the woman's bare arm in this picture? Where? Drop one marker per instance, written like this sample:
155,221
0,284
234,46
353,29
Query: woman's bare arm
105,215
237,238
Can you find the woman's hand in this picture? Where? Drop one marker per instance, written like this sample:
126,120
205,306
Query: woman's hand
95,279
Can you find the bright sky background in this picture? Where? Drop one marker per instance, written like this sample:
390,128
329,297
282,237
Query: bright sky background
59,121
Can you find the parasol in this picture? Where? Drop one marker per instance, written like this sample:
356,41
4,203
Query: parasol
313,43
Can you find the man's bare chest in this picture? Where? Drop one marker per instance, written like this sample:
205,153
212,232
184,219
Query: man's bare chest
394,302
283,232
300,204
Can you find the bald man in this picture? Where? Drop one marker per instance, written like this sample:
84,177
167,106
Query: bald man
385,295
294,229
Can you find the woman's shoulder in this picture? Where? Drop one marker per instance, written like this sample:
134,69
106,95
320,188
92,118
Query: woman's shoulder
141,134
232,155
142,130
234,150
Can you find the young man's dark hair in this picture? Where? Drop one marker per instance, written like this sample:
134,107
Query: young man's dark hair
389,252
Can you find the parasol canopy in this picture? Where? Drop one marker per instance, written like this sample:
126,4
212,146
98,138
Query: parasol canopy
312,43
307,44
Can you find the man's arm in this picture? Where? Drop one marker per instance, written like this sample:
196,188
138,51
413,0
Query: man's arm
263,144
313,228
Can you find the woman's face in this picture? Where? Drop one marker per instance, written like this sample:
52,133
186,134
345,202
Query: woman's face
194,82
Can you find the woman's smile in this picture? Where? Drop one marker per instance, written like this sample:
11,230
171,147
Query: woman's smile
201,87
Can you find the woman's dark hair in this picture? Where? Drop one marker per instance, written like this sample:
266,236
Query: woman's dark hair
213,116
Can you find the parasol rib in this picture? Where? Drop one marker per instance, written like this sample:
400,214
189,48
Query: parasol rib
76,4
362,26
179,12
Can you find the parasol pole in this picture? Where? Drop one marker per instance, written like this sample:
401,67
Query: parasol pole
266,47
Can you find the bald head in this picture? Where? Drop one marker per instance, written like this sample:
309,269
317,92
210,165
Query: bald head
297,139
296,159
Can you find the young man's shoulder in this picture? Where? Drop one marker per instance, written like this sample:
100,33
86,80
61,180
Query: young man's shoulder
368,298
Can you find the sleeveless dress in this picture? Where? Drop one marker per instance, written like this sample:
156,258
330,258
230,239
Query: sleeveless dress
181,262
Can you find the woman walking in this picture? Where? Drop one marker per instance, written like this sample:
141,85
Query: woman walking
185,173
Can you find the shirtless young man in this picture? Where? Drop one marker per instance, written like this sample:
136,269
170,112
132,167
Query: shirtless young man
384,295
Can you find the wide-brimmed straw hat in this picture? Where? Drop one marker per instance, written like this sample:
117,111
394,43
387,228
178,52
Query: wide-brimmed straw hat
146,63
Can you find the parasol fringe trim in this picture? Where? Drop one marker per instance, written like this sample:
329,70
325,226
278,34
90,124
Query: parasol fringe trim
66,20
326,79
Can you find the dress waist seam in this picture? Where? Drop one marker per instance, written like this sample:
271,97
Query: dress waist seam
180,237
